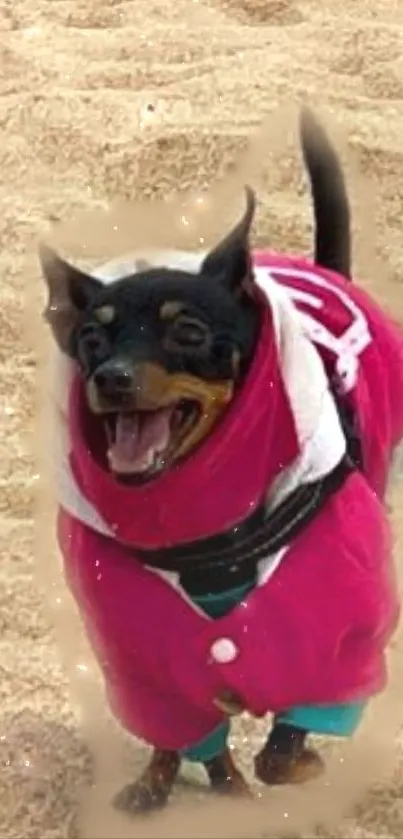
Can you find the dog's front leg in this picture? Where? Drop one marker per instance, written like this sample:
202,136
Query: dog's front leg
285,758
154,786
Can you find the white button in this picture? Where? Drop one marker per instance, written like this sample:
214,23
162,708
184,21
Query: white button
224,650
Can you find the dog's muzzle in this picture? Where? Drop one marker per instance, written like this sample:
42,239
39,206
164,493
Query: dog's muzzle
182,408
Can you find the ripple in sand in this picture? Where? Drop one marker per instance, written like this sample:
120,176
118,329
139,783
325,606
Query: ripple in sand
268,12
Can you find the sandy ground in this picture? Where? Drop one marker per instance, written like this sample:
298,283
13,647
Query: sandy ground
104,98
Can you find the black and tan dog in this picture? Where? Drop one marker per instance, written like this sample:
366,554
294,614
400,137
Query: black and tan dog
217,438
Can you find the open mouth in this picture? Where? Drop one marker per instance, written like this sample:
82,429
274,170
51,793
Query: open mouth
142,443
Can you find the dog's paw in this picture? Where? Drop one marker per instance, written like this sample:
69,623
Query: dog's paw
225,778
233,787
140,798
274,769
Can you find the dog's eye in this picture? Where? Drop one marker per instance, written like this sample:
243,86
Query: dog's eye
187,331
91,335
92,345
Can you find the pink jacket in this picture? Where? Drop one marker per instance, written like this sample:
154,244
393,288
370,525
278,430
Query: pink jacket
316,627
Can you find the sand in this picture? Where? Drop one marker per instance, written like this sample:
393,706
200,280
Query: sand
103,99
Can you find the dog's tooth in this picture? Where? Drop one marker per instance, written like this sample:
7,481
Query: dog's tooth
159,460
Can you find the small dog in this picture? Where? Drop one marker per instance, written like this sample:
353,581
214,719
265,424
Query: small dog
226,423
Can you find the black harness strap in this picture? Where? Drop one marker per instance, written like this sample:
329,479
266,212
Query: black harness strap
229,559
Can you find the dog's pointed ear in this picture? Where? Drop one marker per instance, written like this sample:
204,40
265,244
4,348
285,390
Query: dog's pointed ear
70,291
230,262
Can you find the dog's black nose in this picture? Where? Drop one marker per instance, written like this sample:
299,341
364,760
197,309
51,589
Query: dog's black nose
113,378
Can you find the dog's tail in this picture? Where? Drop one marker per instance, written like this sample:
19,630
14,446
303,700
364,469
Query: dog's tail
329,194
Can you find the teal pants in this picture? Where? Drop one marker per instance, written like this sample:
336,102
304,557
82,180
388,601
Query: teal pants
333,720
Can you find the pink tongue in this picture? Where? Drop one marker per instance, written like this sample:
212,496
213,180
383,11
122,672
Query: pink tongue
139,438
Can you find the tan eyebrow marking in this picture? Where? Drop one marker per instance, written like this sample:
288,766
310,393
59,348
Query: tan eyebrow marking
170,309
105,314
